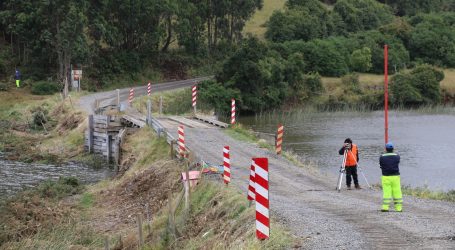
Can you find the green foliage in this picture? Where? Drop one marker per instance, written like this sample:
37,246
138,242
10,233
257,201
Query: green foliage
361,60
351,83
61,188
358,15
420,86
217,96
45,88
426,193
432,39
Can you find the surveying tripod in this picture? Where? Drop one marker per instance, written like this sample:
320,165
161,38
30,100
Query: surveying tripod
343,170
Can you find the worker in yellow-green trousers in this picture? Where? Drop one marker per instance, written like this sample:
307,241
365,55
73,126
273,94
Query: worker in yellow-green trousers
17,77
391,186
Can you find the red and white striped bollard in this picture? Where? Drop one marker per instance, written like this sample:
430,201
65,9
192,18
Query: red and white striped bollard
261,179
279,139
149,88
227,165
194,95
131,97
181,141
232,111
251,192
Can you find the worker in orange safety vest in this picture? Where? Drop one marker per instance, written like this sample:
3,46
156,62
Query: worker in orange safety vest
352,158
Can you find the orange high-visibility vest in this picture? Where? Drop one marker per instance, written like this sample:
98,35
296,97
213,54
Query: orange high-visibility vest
351,157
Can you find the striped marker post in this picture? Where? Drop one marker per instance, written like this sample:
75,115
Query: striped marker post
131,97
227,165
194,97
149,88
261,179
251,190
232,111
181,141
279,139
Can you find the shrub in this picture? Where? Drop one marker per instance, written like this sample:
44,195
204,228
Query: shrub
44,88
3,86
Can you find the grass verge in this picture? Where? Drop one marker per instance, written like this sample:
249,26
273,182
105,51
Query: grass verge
426,193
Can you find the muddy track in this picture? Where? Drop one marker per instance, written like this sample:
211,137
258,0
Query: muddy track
308,204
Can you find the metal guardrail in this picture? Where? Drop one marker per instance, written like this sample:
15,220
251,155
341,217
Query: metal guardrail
170,139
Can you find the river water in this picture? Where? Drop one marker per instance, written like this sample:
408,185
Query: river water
15,176
425,141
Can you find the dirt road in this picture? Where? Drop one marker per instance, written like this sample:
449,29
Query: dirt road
110,97
307,203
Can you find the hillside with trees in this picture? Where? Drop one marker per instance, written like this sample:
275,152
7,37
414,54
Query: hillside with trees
309,39
306,41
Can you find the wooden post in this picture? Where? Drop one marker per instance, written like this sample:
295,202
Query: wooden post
90,134
147,208
117,153
108,147
139,227
118,99
187,187
149,112
172,149
161,105
108,140
171,215
106,243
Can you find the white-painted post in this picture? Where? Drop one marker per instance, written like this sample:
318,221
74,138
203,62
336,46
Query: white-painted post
149,112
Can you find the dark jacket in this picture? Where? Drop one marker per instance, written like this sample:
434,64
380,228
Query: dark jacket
17,75
389,164
341,152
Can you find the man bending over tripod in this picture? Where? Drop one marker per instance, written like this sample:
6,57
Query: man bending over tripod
352,157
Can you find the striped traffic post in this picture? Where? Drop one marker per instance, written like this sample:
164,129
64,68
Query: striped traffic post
149,88
131,97
227,165
251,192
261,180
194,97
279,139
181,141
232,111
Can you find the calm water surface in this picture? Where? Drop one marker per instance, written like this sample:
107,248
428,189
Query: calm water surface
425,141
15,176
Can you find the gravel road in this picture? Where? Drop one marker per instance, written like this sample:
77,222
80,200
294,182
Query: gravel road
306,202
110,97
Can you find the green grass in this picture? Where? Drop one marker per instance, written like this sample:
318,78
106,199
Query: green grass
240,133
175,102
256,24
87,200
426,193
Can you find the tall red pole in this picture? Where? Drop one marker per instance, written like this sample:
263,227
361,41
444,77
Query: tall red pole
386,94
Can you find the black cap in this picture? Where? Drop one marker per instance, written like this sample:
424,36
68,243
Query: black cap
348,140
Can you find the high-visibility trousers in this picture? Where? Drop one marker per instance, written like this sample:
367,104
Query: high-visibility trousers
391,191
18,82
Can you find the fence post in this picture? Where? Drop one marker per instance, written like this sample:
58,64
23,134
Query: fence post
139,228
90,134
161,104
118,99
172,149
171,215
187,187
106,243
149,112
108,140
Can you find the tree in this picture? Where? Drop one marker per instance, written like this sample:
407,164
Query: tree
361,60
420,86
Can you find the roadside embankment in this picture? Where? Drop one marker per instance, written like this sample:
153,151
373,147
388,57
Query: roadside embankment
65,215
39,128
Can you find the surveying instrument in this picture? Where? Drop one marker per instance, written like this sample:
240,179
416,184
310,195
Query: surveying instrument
347,151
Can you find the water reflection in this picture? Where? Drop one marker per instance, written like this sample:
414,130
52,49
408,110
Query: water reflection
425,141
15,176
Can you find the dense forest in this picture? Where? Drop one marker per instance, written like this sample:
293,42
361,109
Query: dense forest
114,37
311,38
305,41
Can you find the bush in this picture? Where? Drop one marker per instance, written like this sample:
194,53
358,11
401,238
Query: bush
65,186
45,88
3,86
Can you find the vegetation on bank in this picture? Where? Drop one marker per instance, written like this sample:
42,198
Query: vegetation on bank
426,193
39,128
76,216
